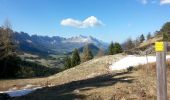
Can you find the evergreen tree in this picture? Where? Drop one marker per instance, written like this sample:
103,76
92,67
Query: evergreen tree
67,63
87,54
142,38
111,50
117,48
9,66
166,27
165,37
75,58
165,30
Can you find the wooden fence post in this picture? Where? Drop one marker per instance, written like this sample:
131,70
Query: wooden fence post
160,48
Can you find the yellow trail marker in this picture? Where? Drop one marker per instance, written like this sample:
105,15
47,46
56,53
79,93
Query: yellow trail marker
159,46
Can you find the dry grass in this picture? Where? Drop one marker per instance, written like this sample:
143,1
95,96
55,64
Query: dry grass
80,84
114,86
85,70
151,67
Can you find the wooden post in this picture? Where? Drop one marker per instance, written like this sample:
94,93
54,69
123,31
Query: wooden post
147,69
161,73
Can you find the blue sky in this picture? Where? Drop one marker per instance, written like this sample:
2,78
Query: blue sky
107,20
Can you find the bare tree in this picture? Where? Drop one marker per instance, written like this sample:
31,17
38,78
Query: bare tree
100,52
7,45
87,54
149,36
128,44
7,49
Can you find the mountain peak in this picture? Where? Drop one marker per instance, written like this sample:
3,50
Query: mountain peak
82,36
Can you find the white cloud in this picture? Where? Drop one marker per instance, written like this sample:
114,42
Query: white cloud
71,22
144,1
91,21
165,2
148,1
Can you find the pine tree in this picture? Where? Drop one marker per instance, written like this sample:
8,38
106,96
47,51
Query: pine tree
67,63
165,36
165,30
166,27
117,48
87,54
75,58
111,49
142,38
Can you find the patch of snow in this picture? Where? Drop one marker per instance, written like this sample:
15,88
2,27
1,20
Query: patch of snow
132,60
80,39
76,91
29,86
16,93
51,85
29,41
53,42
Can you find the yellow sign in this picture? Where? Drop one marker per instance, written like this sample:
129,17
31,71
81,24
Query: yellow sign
159,46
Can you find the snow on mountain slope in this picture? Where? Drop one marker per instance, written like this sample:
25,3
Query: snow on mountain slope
86,40
133,61
81,39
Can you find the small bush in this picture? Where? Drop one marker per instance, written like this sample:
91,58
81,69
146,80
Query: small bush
130,68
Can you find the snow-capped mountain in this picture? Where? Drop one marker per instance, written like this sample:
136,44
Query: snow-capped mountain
80,39
55,44
85,40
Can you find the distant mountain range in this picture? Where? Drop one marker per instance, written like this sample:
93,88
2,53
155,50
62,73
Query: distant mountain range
53,45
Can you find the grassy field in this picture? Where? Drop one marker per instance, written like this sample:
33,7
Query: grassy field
52,61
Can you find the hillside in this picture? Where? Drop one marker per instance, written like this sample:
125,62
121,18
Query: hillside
94,49
97,66
92,80
150,42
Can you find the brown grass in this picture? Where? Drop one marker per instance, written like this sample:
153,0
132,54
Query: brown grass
92,68
151,67
138,84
